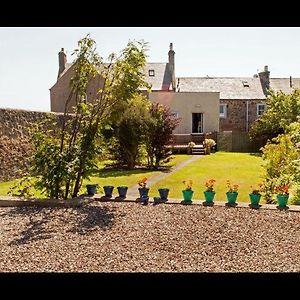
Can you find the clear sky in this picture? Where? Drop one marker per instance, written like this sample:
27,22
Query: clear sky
29,56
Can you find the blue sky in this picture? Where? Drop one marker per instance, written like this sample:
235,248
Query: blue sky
29,56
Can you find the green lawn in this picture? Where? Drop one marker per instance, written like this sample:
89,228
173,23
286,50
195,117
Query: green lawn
111,177
243,169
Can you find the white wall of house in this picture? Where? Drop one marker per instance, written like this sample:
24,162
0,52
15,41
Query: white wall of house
186,103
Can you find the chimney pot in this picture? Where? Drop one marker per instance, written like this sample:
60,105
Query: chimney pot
171,46
266,69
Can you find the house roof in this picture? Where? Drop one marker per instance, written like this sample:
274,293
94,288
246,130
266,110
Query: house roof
229,87
162,79
283,84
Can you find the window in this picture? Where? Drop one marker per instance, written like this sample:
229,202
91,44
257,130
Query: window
245,83
174,114
223,110
151,73
260,109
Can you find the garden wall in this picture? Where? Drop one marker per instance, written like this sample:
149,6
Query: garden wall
14,144
231,141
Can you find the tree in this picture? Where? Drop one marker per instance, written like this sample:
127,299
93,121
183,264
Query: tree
159,134
282,110
64,157
131,130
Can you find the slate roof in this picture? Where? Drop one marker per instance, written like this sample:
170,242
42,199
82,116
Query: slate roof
162,79
229,87
283,84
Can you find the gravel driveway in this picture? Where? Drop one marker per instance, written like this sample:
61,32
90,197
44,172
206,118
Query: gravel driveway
130,237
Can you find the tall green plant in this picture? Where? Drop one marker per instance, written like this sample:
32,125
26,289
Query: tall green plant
131,131
159,134
282,110
279,162
64,157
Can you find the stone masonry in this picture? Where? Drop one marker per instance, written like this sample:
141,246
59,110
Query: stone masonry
236,119
14,143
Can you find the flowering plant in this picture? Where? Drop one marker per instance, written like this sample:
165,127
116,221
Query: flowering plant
210,142
257,189
210,185
191,144
143,182
282,189
188,184
232,188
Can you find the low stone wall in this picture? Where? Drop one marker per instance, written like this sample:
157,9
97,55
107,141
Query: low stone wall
14,143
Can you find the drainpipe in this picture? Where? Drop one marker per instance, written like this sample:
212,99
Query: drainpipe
247,116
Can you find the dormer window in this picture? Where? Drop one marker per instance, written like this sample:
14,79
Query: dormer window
151,73
245,83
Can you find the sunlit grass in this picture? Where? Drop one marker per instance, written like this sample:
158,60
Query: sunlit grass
243,169
113,177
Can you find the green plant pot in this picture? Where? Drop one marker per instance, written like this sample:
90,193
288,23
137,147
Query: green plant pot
209,196
255,198
187,195
282,200
231,197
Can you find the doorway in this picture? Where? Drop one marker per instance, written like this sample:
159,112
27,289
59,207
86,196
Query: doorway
197,123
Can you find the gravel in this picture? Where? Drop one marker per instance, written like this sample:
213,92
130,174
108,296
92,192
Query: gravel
130,237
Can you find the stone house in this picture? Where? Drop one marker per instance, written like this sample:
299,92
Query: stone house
204,104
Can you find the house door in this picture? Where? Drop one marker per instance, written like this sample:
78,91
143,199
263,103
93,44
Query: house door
197,123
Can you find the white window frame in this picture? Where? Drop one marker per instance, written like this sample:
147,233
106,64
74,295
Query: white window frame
258,110
151,73
224,115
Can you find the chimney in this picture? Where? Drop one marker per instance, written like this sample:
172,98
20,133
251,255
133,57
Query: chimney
291,82
62,60
265,79
171,54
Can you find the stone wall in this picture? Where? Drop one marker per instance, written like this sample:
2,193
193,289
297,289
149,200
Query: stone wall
14,144
236,118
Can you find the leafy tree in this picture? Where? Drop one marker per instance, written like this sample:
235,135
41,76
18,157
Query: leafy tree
282,110
159,134
279,157
131,131
64,157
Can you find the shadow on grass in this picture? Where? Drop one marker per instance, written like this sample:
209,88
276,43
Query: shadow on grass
82,220
259,154
116,172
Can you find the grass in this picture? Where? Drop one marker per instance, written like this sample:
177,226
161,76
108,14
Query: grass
113,177
243,169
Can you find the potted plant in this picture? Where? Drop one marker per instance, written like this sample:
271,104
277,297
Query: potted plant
187,192
209,193
91,189
163,193
143,190
122,190
209,143
108,189
282,195
232,193
255,195
191,145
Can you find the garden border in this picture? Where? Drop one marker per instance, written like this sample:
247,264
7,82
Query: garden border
80,201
